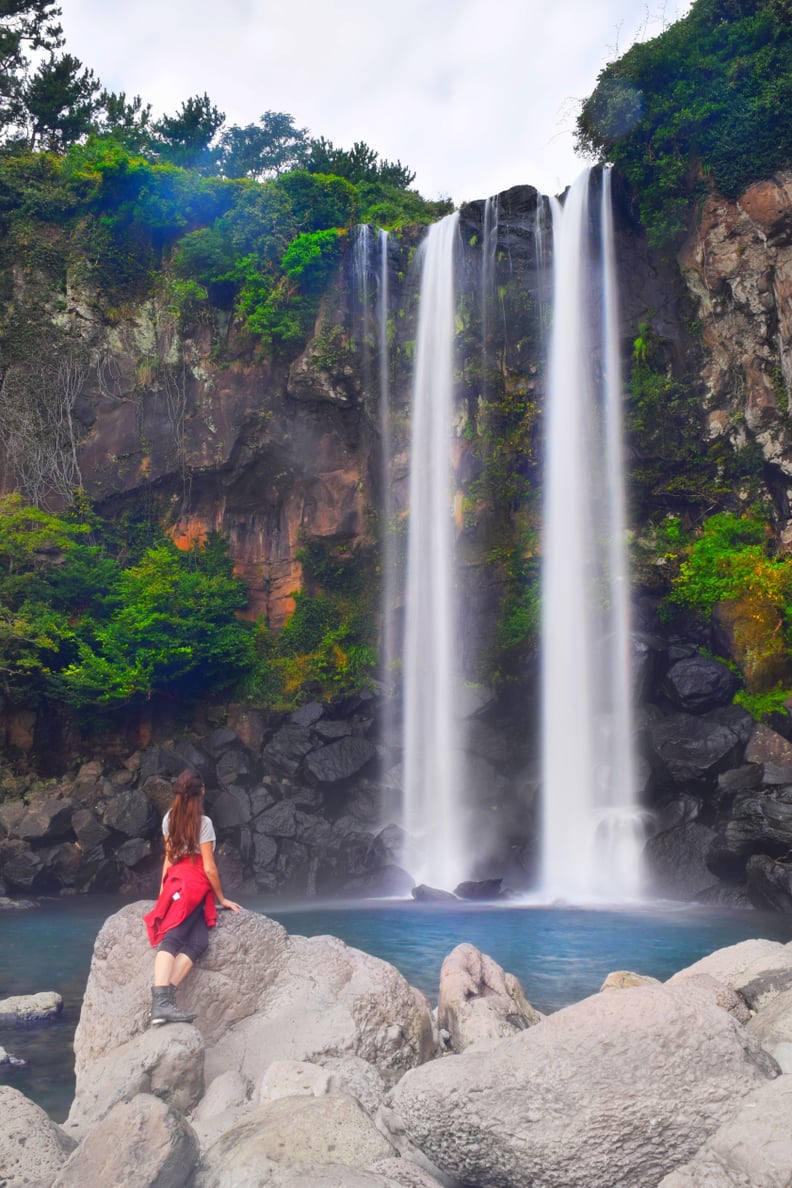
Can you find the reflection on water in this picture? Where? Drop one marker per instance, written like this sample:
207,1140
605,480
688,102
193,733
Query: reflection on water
560,955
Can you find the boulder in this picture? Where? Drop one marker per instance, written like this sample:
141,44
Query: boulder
129,812
692,748
340,760
625,979
403,1173
769,883
90,832
142,1142
773,1023
233,767
759,823
479,1002
31,1008
260,995
424,894
676,861
617,1089
33,1149
226,1099
293,1131
479,889
166,1062
699,683
287,748
767,746
752,1150
736,965
46,818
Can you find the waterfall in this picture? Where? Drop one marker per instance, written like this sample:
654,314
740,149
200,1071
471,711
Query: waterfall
432,817
591,823
388,560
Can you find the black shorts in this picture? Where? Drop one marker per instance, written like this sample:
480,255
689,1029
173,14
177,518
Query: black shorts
191,937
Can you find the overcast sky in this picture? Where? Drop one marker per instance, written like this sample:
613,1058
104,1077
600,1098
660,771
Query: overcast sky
474,96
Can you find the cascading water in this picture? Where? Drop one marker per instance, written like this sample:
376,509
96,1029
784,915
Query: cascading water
388,645
435,850
591,823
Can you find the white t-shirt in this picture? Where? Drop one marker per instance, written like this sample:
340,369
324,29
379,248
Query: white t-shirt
207,833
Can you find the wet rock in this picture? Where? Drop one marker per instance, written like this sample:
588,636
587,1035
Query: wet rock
389,880
308,714
758,824
287,748
19,865
769,883
46,819
692,748
129,812
233,767
329,731
340,760
89,830
229,808
676,861
767,746
425,894
31,1008
698,684
480,889
736,718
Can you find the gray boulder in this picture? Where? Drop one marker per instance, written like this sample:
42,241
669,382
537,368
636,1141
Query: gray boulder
737,965
617,1089
47,818
287,748
293,1131
752,1150
478,1001
772,1026
166,1062
31,1008
33,1149
141,1143
226,1099
676,863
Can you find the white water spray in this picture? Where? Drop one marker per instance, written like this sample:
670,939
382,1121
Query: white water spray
591,824
435,847
388,559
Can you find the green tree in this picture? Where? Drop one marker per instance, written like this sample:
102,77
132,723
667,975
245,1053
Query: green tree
128,121
267,149
186,139
358,164
61,99
26,26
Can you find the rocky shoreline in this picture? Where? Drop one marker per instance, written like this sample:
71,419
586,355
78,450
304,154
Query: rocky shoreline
314,1065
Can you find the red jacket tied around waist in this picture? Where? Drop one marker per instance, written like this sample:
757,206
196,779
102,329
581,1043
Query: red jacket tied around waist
184,887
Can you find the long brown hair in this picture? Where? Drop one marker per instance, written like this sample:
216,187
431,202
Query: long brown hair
184,822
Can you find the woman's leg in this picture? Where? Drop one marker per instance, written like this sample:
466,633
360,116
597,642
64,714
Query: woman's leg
163,968
181,967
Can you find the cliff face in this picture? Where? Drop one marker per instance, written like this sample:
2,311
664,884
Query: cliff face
737,263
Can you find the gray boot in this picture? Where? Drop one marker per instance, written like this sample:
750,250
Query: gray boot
163,1010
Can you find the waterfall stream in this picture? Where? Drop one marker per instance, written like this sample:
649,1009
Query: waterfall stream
436,852
591,823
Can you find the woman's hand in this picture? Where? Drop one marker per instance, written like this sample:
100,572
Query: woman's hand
229,903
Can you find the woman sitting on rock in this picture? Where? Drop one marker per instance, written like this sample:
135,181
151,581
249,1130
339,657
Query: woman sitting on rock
185,910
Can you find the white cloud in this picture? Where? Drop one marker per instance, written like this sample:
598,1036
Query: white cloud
474,97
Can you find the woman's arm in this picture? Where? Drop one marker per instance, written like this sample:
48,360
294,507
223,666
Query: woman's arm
166,865
210,870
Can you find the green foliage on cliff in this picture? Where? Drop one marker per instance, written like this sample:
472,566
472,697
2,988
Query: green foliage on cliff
707,101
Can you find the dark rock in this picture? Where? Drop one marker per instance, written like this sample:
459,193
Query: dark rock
759,824
309,800
643,663
388,846
736,718
19,865
287,748
265,851
129,812
261,798
479,889
307,715
278,821
250,726
698,684
194,758
160,761
365,803
781,721
229,808
159,792
691,748
676,812
424,894
89,831
328,730
676,861
775,775
67,863
769,884
219,740
133,851
233,767
313,831
473,700
340,760
46,818
293,867
229,867
739,779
